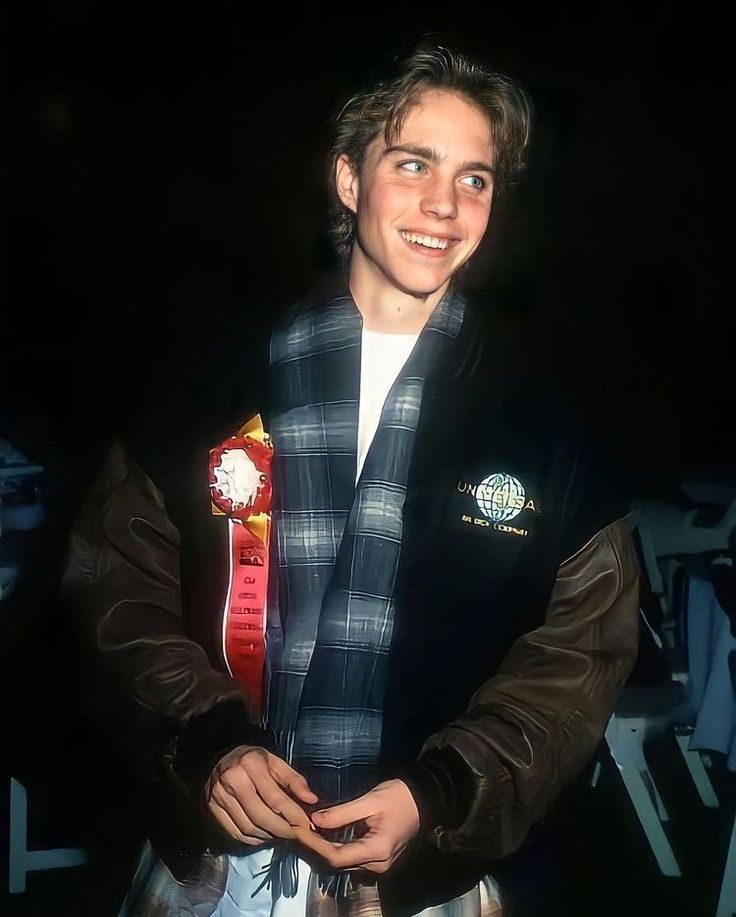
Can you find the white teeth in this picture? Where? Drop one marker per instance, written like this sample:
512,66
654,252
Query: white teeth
427,241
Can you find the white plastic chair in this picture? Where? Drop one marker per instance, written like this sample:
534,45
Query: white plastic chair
21,860
727,900
625,737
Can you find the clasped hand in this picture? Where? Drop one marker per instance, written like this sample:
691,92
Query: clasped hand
254,796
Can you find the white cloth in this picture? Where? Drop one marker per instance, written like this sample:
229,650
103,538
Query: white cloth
711,649
241,899
382,358
245,893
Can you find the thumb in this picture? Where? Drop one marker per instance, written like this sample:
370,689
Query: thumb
345,813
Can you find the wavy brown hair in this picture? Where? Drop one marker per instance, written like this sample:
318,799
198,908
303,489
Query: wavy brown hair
386,104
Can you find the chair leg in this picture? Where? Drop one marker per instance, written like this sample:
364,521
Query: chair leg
21,860
18,838
629,742
658,841
697,771
625,741
727,901
651,786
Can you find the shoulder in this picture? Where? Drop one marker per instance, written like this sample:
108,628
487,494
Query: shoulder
505,382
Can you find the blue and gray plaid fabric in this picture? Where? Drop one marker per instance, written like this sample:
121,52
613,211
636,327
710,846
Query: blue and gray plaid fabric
337,545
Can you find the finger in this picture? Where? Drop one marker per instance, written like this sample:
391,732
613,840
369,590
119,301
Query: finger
265,771
378,867
232,807
237,794
314,841
254,839
346,813
360,852
277,800
292,780
264,818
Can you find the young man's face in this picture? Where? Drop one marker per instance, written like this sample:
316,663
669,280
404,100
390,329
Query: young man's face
422,205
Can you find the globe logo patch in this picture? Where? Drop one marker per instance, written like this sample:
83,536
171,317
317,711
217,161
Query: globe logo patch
500,497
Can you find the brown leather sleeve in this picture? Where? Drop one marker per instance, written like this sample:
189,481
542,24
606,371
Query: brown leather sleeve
121,583
529,731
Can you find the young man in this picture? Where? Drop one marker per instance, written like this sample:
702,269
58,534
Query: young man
452,599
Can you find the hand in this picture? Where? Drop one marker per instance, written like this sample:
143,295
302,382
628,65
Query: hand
392,819
246,797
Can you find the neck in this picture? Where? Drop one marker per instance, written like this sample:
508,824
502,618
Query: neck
385,307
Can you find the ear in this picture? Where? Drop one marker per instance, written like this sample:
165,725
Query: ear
346,182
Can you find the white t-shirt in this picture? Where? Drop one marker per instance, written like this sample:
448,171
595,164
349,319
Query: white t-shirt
382,359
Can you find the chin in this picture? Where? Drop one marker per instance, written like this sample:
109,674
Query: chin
421,284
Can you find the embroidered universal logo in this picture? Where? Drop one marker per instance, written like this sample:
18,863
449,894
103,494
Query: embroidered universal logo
500,498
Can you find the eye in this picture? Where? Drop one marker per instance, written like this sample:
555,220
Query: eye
475,182
413,165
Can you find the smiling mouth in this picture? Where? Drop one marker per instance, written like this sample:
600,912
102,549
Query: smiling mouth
425,241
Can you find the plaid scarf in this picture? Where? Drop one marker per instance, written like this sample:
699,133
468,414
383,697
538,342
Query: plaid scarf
337,545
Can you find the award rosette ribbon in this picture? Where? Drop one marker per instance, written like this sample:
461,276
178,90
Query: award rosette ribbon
240,489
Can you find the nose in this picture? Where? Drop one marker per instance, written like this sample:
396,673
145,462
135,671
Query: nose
440,199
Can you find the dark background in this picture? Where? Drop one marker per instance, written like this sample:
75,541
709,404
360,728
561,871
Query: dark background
167,175
166,179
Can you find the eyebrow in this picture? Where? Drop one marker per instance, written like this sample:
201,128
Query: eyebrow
425,152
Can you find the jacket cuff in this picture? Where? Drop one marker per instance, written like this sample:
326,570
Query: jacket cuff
442,785
207,738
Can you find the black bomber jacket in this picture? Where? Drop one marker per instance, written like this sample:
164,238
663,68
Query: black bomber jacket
511,640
